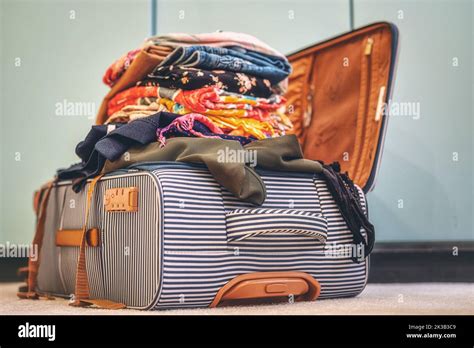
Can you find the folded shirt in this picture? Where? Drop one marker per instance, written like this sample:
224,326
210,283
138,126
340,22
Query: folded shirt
133,112
180,77
246,127
217,39
207,101
160,46
84,148
235,59
239,126
118,68
235,114
91,161
195,125
277,125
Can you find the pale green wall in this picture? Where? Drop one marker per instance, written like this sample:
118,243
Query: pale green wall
286,25
61,58
418,164
65,59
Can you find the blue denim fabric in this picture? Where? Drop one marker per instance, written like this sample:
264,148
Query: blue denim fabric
235,59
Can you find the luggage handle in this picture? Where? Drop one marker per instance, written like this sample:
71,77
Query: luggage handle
40,204
73,237
295,286
244,224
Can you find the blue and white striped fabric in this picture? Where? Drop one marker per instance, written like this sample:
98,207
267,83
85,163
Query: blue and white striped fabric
198,258
125,267
191,236
248,223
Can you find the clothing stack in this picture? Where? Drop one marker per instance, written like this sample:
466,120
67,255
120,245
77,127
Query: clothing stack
226,86
232,82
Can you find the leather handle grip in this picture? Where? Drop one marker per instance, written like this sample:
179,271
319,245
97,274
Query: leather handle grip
72,238
261,285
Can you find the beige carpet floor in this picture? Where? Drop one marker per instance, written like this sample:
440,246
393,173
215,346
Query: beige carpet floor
388,299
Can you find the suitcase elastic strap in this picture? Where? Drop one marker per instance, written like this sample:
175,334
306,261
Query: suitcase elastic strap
29,291
81,296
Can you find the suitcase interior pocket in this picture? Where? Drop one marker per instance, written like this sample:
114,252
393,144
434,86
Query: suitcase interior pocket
276,230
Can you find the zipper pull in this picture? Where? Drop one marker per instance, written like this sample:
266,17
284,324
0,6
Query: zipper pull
368,46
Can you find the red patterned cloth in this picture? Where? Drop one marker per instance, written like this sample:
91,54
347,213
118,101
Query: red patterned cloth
117,69
207,101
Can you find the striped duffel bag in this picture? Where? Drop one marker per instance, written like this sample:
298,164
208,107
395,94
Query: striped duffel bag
167,235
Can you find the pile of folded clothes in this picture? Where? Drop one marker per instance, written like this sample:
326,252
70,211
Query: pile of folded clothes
234,80
222,85
190,98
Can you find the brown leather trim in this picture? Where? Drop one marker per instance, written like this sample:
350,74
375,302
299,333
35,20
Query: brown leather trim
22,291
22,272
33,264
72,238
338,40
82,284
261,285
36,201
142,65
336,95
121,199
81,293
100,303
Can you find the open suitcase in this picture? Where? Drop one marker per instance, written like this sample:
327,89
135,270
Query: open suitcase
167,235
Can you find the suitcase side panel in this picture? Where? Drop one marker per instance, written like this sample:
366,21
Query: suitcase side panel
338,275
125,267
130,242
48,280
352,277
187,259
195,270
194,228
